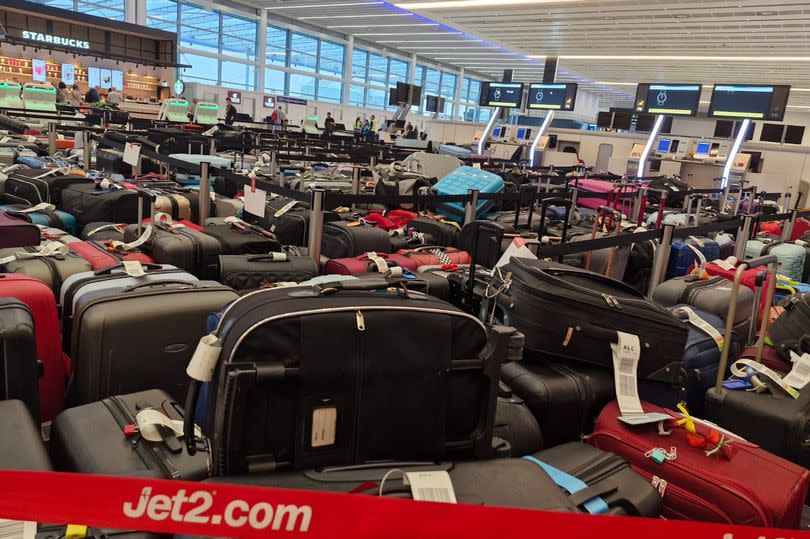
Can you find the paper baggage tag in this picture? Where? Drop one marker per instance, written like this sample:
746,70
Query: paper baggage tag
42,206
799,376
739,372
432,486
517,248
205,359
255,201
18,529
324,426
133,268
728,264
285,208
801,243
626,354
132,152
702,325
4,140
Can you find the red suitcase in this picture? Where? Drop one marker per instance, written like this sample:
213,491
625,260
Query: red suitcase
101,254
801,228
366,264
55,364
436,256
739,484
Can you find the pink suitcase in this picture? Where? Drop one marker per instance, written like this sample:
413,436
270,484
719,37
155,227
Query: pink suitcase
365,264
587,186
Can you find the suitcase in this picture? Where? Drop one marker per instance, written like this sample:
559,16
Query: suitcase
676,191
179,245
749,487
770,358
111,161
791,331
345,239
459,182
291,225
625,492
391,219
515,424
436,256
19,369
36,186
442,231
114,277
89,203
52,363
565,399
253,271
369,263
240,238
51,262
173,204
91,439
227,207
119,340
103,254
431,165
791,256
21,446
682,257
17,231
329,413
547,301
727,245
587,186
45,216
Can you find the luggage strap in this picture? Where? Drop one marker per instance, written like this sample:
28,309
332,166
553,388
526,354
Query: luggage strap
53,248
42,206
593,505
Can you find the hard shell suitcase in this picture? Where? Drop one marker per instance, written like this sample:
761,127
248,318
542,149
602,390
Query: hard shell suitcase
48,263
89,203
515,424
44,215
625,492
331,411
345,239
17,231
791,256
19,371
250,272
791,331
21,446
55,366
573,313
459,182
241,238
682,257
743,485
431,165
110,355
91,439
564,398
369,263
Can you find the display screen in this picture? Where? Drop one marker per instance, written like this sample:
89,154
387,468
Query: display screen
501,94
496,132
645,122
270,101
664,144
68,74
118,79
772,132
702,149
431,103
749,101
105,78
521,134
405,93
668,99
604,119
235,97
794,134
38,73
552,96
723,128
622,120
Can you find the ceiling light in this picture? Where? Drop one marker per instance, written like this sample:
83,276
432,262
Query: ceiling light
310,6
474,3
763,58
313,17
421,41
400,34
385,25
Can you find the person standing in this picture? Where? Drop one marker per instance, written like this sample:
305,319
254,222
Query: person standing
281,116
62,95
93,95
372,129
230,112
329,124
114,97
358,127
76,95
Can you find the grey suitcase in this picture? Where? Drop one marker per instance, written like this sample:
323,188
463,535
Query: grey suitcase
139,337
178,245
21,446
52,269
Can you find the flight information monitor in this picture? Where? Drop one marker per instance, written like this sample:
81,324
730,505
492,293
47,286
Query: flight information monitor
749,101
668,99
502,94
555,96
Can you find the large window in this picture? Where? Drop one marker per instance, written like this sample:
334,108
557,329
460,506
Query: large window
199,28
303,52
372,74
276,46
330,59
203,69
109,9
162,14
239,37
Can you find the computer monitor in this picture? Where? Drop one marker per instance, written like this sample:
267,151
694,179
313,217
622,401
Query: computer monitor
622,120
702,150
772,132
664,145
521,133
604,119
645,123
723,128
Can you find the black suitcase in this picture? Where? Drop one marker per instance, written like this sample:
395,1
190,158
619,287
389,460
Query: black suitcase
575,314
347,239
250,272
91,439
240,238
19,370
609,476
290,227
180,246
169,140
21,446
112,161
89,203
444,232
791,330
565,399
515,483
676,191
338,387
51,270
515,424
35,186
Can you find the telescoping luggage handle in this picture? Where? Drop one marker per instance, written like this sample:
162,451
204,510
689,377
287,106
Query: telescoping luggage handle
773,266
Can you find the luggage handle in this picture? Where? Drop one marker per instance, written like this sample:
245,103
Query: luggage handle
160,283
144,265
362,285
272,257
773,263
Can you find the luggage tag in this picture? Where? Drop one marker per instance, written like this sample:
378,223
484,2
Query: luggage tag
701,324
626,354
284,209
799,376
431,486
740,372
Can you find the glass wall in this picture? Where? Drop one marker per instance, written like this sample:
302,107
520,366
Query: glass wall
372,74
109,9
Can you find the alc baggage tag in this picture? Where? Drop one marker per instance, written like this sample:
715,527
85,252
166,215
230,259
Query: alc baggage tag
431,486
702,325
738,370
626,354
799,376
205,359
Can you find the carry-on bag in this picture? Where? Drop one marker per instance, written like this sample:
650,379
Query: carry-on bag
573,313
369,263
791,330
91,203
45,215
676,189
442,231
136,435
241,238
347,239
18,357
287,219
459,182
120,343
682,255
250,272
17,231
37,186
436,256
515,424
736,483
21,445
791,256
351,404
51,262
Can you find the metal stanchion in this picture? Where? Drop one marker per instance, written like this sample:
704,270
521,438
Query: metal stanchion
743,235
472,206
213,150
372,162
661,258
316,225
788,229
205,192
356,180
87,150
136,170
724,198
51,138
638,211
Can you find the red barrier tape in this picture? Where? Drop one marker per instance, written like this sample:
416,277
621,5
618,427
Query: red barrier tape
251,512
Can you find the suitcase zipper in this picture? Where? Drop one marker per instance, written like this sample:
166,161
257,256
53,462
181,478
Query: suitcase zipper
358,399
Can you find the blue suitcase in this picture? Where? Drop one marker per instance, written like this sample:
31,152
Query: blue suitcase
462,180
682,257
53,218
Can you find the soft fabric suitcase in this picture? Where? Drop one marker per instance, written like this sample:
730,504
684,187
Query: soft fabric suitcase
92,439
369,263
676,191
515,424
742,485
89,203
682,256
17,231
625,492
44,215
250,272
441,231
241,238
227,207
564,398
103,254
436,256
350,402
37,186
347,239
18,357
179,245
575,314
21,446
110,351
727,244
112,161
287,219
51,262
55,366
103,231
459,182
791,331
